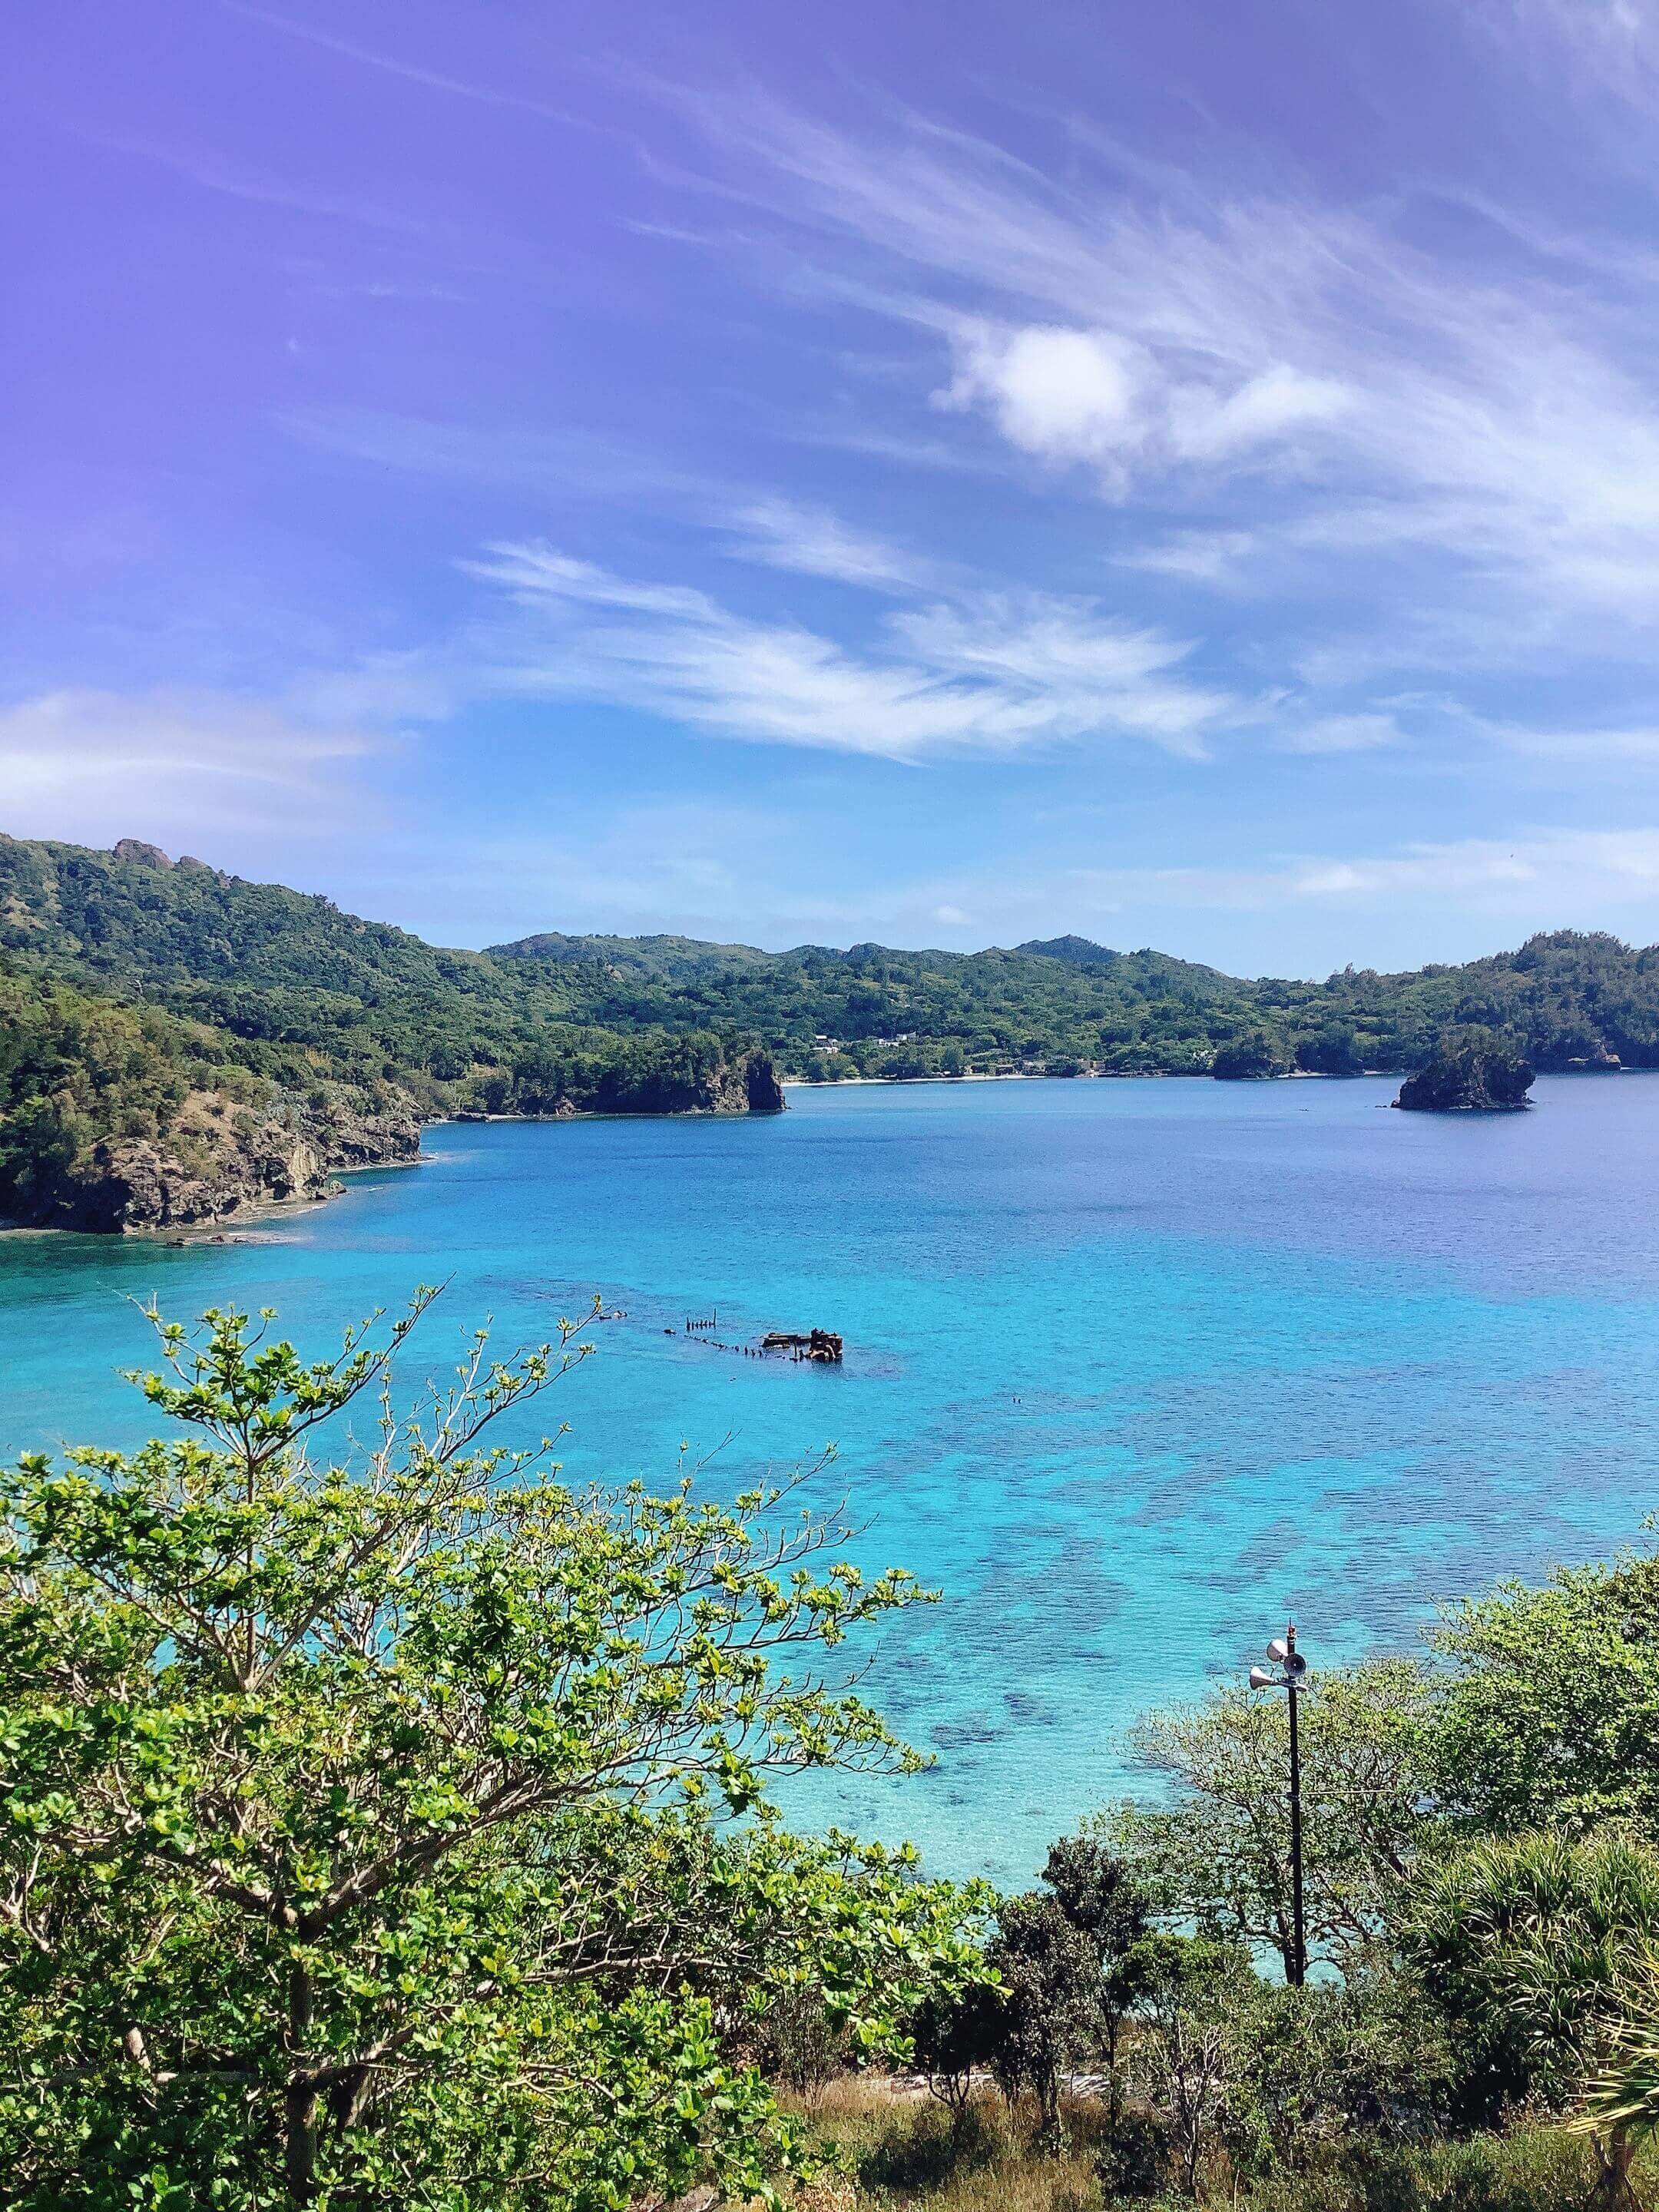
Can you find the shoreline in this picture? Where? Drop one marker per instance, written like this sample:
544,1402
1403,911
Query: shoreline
1113,1075
179,1233
625,1113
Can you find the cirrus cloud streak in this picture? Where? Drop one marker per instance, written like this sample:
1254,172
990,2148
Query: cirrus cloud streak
989,674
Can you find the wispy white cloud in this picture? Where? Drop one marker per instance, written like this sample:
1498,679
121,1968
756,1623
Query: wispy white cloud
1612,45
226,176
1637,746
503,456
813,543
96,764
1215,557
1546,876
981,674
1361,409
1340,733
391,64
673,863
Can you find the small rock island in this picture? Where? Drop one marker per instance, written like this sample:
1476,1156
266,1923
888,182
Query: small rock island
1473,1071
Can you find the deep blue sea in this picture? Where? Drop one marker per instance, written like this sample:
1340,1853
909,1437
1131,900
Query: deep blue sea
1134,1368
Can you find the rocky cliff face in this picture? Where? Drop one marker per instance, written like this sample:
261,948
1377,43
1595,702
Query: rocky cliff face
749,1085
220,1159
1473,1072
746,1085
703,1078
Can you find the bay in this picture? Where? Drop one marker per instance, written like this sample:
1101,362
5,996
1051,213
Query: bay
1135,1370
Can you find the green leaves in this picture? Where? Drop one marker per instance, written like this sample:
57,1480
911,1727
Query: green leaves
1216,1853
352,1845
1529,1943
1552,1716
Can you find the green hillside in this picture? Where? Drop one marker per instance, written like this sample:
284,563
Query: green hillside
1067,1004
142,994
288,978
297,987
251,1037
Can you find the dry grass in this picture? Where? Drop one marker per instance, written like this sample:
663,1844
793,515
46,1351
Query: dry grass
898,2153
901,2152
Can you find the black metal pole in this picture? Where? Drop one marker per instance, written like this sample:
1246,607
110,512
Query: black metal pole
1298,1973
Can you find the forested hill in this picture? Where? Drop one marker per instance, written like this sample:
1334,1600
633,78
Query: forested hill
198,1039
178,1043
1067,1005
610,1020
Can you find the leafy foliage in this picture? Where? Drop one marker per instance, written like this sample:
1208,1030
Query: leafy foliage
362,1821
287,975
1065,1003
1528,1942
1482,1859
1472,1068
73,1069
1551,1712
1215,1852
288,990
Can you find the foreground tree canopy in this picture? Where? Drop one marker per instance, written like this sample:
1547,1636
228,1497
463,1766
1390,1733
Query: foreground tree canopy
364,1819
383,1823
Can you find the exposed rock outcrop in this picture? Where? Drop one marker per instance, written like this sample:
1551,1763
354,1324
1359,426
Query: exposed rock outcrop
701,1078
1473,1071
357,1129
220,1158
749,1085
745,1085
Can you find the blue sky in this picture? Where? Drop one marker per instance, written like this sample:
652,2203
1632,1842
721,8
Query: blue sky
1185,474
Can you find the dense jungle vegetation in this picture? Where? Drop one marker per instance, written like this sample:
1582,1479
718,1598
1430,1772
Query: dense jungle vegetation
294,988
77,1071
130,979
215,1023
1067,1005
285,976
366,1841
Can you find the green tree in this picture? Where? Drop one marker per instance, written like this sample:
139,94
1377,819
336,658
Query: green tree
1256,1053
1319,2075
1331,1050
356,1813
1049,2020
1185,2047
1274,2079
955,2034
1216,1850
1104,1899
1551,1715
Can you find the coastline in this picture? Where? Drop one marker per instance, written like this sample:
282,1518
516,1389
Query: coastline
1095,1075
627,1114
199,1232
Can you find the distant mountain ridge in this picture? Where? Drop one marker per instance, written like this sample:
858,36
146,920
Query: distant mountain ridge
145,996
1068,1004
659,956
1080,951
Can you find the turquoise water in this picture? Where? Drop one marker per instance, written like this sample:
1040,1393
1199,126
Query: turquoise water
1134,1368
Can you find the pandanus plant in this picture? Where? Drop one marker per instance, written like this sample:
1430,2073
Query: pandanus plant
1546,1949
1620,2107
